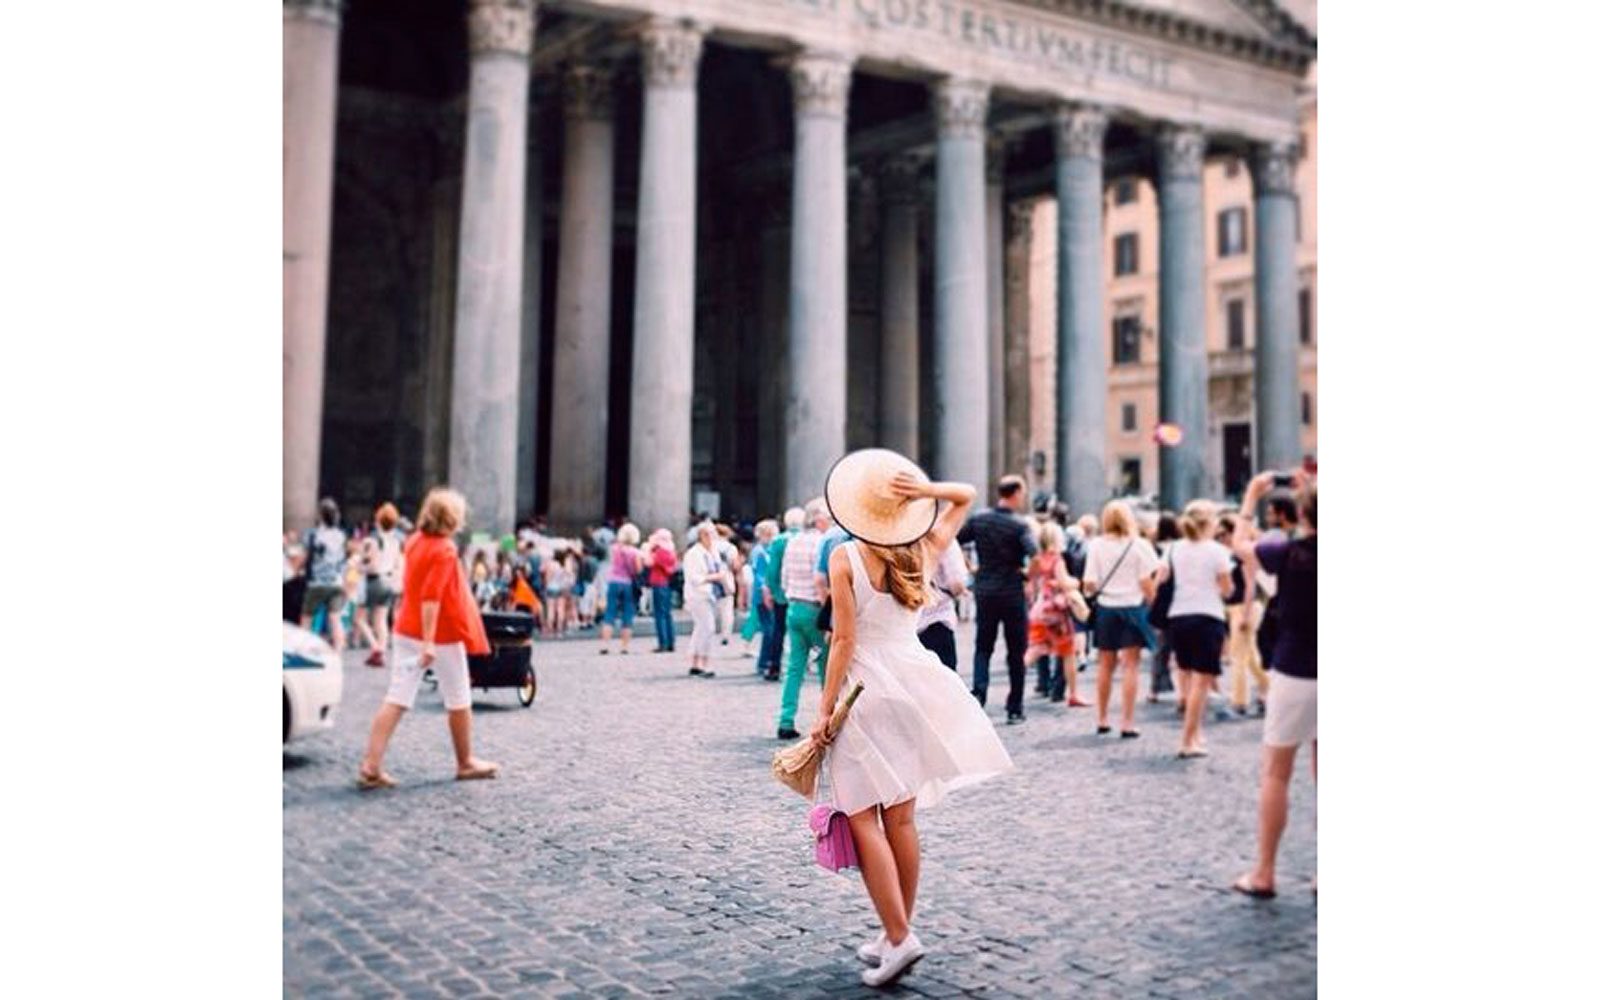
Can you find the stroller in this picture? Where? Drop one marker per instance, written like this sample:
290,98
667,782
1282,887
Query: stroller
509,662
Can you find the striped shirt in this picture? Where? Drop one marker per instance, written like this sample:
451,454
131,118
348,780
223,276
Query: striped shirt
799,567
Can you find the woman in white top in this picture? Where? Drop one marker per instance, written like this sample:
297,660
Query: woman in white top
1121,574
915,733
705,579
1197,625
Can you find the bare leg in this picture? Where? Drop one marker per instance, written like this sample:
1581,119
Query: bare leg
1102,684
900,827
1277,767
1194,709
383,727
363,630
461,738
879,874
1130,686
605,633
380,619
627,633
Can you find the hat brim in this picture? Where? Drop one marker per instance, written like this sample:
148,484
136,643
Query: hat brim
869,469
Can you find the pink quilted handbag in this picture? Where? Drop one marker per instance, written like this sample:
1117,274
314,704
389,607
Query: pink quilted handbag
836,849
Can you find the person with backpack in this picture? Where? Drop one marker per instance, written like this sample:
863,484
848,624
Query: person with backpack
381,562
325,569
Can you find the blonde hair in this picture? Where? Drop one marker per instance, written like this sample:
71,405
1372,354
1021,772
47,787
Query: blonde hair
1198,520
1089,525
443,512
903,574
1051,537
628,535
766,530
1116,520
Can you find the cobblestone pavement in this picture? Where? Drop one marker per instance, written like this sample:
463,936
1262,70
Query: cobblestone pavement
636,845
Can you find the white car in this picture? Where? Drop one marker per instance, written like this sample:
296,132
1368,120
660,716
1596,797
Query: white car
313,683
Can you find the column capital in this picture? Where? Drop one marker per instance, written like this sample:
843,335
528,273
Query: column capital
587,92
1080,131
327,11
901,178
1272,167
1180,151
669,51
962,107
503,27
821,84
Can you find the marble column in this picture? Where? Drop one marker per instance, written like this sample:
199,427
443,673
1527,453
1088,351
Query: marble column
899,379
488,328
1277,334
773,324
818,310
1184,375
581,375
1019,257
1081,334
663,298
310,92
961,308
994,231
532,314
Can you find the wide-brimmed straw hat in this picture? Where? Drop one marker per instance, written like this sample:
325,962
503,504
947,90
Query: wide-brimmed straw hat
859,498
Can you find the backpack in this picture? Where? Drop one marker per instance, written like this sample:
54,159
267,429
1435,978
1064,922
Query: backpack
1077,556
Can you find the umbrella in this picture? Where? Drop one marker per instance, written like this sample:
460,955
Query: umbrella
797,766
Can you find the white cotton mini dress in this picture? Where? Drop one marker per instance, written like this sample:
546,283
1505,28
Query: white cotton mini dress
915,732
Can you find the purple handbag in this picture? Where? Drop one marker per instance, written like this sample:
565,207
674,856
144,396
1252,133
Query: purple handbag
836,848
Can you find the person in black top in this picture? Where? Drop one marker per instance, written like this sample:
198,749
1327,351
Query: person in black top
1005,543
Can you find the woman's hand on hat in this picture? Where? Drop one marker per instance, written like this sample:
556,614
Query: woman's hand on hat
907,486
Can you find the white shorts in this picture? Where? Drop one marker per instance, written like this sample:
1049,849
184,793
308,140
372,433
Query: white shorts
449,666
1291,711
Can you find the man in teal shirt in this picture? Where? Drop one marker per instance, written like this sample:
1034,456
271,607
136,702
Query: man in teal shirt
772,593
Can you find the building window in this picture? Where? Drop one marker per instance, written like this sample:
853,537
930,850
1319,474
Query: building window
1236,325
1305,408
1125,192
1130,418
1125,340
1305,315
1230,232
1127,254
1131,482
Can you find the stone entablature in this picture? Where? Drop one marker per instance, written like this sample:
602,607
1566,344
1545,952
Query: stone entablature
1125,64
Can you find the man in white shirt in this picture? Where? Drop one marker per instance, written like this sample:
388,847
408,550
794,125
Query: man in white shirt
936,623
803,588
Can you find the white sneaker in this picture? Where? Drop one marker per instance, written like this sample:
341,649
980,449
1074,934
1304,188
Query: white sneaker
872,952
897,960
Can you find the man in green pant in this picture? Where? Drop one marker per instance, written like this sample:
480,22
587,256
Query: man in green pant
803,588
771,584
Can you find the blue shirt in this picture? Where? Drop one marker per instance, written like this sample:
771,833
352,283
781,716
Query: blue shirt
758,564
832,537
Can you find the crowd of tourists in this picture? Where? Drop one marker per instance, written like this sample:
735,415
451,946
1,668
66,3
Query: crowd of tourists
1198,595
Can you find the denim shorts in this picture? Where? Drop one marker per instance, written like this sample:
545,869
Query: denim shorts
619,603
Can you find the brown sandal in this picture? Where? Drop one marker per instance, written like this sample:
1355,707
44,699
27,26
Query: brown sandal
367,782
1244,885
478,773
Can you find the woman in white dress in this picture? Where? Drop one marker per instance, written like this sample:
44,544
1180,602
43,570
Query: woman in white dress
915,733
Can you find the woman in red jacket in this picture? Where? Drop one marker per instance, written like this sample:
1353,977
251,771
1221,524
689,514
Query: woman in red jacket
437,627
